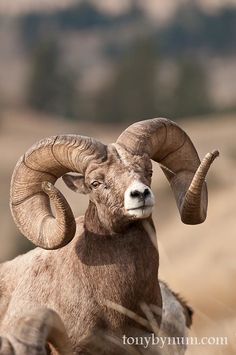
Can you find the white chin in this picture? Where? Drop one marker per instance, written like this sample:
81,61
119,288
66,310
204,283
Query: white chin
142,212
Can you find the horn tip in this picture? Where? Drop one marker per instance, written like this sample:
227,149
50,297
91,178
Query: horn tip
212,156
215,153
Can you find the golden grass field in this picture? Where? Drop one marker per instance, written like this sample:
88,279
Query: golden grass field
197,261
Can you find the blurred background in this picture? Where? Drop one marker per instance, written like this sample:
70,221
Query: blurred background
94,67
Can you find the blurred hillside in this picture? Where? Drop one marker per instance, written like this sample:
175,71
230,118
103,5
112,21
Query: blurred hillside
89,61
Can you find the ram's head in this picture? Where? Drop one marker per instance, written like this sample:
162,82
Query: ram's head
117,178
118,188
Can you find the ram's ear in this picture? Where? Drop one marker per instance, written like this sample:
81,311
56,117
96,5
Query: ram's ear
76,183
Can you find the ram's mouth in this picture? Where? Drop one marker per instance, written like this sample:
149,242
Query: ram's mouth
140,212
143,207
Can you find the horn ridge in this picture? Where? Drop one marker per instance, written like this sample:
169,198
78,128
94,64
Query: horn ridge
169,145
32,187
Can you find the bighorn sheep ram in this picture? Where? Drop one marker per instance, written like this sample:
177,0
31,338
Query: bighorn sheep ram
111,258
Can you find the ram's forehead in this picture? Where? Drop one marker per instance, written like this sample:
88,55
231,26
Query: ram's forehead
118,160
129,159
111,161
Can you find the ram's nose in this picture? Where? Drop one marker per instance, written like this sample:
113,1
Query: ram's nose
139,200
141,194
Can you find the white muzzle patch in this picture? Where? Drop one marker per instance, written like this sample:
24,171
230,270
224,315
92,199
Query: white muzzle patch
139,200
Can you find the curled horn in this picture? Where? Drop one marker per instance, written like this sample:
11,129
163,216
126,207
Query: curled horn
31,335
32,187
166,143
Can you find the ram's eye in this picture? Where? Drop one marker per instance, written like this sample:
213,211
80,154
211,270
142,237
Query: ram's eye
150,173
95,184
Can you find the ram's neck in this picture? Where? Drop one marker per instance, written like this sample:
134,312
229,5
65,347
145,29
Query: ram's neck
95,225
127,262
141,232
92,221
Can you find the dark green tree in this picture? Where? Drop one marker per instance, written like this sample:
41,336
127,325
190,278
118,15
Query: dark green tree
131,93
191,92
52,86
136,93
191,96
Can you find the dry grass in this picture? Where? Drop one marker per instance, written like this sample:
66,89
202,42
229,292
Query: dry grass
197,261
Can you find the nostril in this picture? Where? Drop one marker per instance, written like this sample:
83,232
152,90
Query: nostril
146,192
135,193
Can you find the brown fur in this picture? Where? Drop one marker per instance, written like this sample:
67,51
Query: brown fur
81,276
32,334
188,311
111,258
